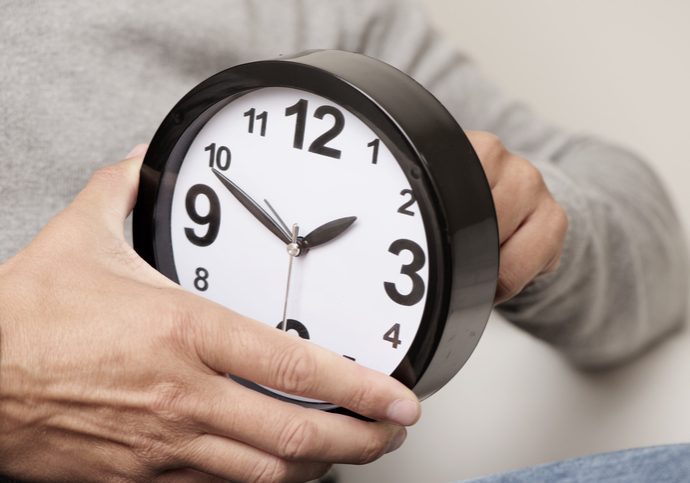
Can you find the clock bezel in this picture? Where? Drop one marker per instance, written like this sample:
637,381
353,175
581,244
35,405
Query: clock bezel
389,102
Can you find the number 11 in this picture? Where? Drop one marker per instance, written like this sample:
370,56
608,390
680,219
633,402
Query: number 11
263,117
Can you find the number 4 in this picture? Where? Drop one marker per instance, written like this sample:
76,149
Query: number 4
392,335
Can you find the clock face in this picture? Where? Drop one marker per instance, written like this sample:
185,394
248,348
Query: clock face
305,161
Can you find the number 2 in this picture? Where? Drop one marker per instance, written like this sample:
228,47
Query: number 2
404,207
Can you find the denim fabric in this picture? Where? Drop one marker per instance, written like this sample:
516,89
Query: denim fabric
658,464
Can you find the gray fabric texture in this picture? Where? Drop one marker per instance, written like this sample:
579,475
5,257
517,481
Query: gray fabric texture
82,81
661,464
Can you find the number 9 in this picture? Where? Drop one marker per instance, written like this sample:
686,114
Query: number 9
212,218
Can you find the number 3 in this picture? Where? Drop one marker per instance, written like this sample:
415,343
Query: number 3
411,269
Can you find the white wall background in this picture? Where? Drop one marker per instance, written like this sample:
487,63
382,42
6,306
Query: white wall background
620,69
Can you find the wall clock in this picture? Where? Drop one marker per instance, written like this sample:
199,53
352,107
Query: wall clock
329,195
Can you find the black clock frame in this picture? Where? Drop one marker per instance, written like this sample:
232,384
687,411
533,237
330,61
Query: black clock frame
438,160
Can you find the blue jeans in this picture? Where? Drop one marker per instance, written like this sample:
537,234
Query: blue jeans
654,464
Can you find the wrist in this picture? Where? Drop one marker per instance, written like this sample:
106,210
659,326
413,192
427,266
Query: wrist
14,416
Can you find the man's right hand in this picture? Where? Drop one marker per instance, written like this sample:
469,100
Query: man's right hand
108,370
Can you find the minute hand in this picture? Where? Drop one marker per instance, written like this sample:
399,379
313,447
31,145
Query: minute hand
253,207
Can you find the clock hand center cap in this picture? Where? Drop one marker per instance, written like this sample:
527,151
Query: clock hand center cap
294,249
298,247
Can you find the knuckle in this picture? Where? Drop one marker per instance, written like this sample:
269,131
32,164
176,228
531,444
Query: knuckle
486,138
157,442
487,145
294,369
169,400
532,177
150,452
269,470
297,438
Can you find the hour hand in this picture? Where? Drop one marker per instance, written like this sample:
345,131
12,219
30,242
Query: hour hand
251,205
327,231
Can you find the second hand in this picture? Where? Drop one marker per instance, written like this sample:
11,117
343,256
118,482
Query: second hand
293,250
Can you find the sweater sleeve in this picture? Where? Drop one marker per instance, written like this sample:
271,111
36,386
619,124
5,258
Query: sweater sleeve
623,281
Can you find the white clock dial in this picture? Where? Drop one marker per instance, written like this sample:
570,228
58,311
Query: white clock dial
362,294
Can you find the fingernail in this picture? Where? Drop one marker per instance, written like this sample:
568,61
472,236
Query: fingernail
403,411
138,150
397,440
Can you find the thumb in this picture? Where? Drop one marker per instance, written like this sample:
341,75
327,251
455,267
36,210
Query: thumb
111,192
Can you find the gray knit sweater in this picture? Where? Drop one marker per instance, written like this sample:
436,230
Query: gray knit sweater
81,81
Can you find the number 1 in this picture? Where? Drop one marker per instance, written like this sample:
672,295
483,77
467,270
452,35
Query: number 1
375,150
300,110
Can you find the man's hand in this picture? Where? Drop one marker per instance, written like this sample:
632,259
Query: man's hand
110,371
531,224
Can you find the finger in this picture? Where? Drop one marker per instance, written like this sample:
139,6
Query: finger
236,461
517,194
187,476
512,209
491,153
290,431
556,222
111,192
138,151
230,343
533,249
